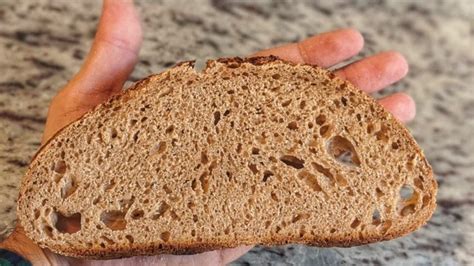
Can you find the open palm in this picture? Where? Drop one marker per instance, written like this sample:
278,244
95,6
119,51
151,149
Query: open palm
115,53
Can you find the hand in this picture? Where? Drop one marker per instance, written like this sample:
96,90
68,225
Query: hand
114,54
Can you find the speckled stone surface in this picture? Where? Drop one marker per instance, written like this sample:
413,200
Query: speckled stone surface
42,44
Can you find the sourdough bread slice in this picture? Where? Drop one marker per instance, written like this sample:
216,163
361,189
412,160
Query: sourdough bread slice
249,151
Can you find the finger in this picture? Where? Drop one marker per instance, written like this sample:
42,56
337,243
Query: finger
376,72
114,52
215,257
231,254
324,50
401,105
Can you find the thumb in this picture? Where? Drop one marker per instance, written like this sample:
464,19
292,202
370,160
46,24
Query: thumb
113,55
111,59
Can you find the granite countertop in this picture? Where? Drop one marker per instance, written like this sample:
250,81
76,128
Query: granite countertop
42,44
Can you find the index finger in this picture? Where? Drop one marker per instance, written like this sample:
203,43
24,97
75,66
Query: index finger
324,50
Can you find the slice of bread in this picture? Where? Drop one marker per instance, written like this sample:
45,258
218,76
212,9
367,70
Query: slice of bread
249,151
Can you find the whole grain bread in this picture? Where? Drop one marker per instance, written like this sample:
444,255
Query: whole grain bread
248,151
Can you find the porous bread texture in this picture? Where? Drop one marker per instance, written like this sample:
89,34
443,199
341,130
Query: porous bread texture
250,151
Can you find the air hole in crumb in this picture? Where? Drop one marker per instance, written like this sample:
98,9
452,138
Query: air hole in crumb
164,207
239,148
268,223
48,230
277,229
174,215
292,125
108,240
292,161
67,224
310,180
409,209
159,148
253,168
69,187
96,200
344,101
376,218
114,220
261,139
411,163
167,189
383,134
143,119
418,183
299,217
267,174
379,192
325,131
37,214
406,192
102,245
320,120
169,129
137,214
276,76
110,185
302,104
324,171
395,146
342,150
217,117
302,231
227,112
229,175
370,128
341,181
355,223
286,103
60,167
194,184
135,136
274,196
204,158
133,122
255,151
165,236
193,233
129,238
426,200
203,179
113,133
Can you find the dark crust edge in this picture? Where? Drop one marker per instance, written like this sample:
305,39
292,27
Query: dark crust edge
193,248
